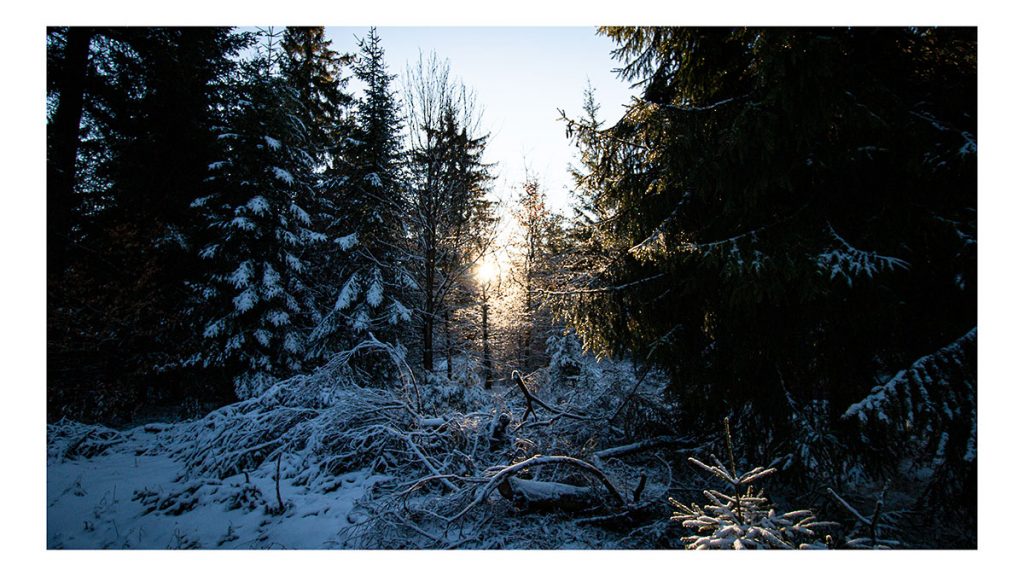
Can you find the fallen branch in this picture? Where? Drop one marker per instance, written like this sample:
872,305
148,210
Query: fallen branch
538,460
640,489
547,496
531,399
650,444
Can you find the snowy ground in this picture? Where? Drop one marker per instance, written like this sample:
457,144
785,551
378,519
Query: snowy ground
101,502
399,467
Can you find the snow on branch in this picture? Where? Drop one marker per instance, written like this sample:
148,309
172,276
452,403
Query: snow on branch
603,289
846,262
656,243
676,442
934,400
929,387
535,461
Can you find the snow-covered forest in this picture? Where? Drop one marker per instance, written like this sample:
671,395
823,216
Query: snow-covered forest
287,306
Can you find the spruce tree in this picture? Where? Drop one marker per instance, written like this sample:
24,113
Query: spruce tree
372,281
149,100
255,299
785,216
314,71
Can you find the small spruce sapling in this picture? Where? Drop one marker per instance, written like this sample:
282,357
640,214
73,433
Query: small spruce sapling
742,519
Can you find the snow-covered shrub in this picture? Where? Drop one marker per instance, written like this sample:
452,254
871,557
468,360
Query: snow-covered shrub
326,424
567,357
322,417
461,394
66,439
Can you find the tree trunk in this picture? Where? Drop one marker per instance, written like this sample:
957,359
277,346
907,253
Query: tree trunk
64,141
528,337
488,363
448,343
535,496
428,319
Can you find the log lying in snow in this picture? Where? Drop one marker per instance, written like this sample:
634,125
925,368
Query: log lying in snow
508,472
435,422
546,496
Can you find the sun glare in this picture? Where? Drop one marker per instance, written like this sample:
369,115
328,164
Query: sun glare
487,271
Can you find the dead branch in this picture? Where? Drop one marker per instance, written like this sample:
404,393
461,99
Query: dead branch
532,399
640,489
650,444
538,460
547,496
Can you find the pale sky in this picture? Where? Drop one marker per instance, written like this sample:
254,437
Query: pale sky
521,77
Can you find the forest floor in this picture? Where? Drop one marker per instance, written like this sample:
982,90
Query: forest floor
105,501
589,460
363,466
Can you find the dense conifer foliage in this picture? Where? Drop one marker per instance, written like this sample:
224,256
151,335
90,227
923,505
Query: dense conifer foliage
786,219
145,102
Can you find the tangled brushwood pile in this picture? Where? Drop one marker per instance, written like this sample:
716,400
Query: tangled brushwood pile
589,459
67,440
539,463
